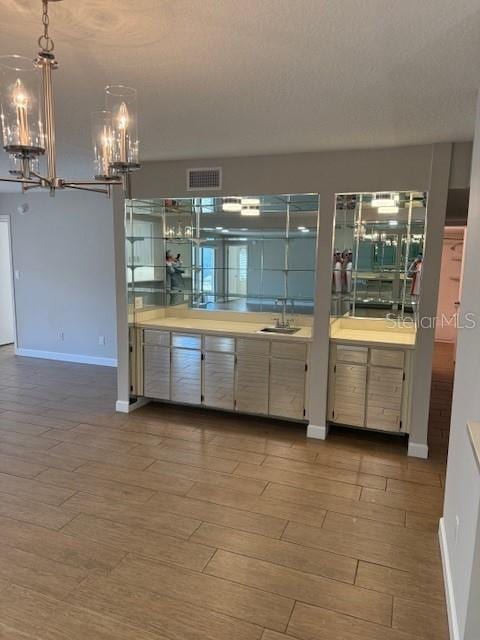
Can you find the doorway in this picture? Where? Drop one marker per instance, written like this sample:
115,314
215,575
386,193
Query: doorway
7,324
237,270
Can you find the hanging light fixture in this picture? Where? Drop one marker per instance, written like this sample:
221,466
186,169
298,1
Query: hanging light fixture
28,125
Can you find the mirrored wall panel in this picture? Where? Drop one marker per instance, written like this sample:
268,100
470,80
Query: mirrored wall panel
378,253
246,254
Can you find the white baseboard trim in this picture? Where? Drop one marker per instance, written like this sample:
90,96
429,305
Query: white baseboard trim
66,357
417,450
448,582
122,406
320,433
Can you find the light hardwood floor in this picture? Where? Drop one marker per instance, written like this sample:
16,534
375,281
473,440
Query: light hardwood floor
179,524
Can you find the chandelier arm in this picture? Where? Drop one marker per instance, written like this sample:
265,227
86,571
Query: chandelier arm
105,192
20,181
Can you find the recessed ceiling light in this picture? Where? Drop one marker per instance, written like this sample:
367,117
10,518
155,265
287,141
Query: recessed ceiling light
301,228
250,211
232,204
250,202
388,209
225,231
218,228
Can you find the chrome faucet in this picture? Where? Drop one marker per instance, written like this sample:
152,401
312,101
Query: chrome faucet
283,322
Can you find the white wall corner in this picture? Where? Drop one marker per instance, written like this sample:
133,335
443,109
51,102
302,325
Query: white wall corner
417,450
66,357
123,406
319,433
448,583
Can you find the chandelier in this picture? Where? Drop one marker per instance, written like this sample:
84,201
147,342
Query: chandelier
28,125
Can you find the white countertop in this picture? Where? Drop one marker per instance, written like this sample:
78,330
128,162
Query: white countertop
371,331
219,327
473,429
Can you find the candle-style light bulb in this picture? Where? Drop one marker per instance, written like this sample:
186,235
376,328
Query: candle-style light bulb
122,123
20,100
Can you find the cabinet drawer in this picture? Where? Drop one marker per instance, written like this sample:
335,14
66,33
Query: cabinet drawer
247,346
219,343
291,350
186,340
346,353
152,336
387,357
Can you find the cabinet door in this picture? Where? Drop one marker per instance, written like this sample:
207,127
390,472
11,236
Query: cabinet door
186,375
384,398
287,388
219,380
156,372
350,381
251,391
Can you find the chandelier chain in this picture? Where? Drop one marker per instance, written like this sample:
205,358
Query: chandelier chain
44,41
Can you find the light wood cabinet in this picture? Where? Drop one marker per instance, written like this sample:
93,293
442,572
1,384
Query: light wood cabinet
287,388
368,387
219,380
251,389
156,372
252,375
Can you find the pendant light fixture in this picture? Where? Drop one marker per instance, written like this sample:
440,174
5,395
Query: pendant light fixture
28,125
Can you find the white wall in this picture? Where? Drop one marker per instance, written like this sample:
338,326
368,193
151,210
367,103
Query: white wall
7,331
462,492
63,252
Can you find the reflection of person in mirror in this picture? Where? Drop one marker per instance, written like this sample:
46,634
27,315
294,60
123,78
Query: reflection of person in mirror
174,276
415,272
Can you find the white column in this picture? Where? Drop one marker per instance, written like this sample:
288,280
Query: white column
459,531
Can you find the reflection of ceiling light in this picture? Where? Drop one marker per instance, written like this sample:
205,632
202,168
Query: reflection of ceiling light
250,202
393,223
224,230
232,204
385,199
301,228
388,209
250,211
305,230
218,228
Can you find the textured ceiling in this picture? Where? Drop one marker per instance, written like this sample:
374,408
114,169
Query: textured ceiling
237,77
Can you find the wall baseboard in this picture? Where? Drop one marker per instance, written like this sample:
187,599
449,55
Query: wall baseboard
448,582
122,406
66,357
417,450
320,433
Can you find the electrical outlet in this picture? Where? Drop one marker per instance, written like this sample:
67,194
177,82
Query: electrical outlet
101,340
61,336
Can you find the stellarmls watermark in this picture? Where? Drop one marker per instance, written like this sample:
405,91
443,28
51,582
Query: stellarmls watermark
466,321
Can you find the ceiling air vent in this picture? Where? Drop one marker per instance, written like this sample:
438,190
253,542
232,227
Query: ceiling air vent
204,179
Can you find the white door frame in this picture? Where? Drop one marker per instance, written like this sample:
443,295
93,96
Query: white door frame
6,218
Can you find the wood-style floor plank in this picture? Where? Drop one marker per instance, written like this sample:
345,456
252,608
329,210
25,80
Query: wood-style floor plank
208,591
315,623
133,538
304,587
221,514
429,621
179,619
286,554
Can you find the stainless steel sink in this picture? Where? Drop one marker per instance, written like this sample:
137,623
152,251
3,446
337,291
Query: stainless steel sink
287,330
